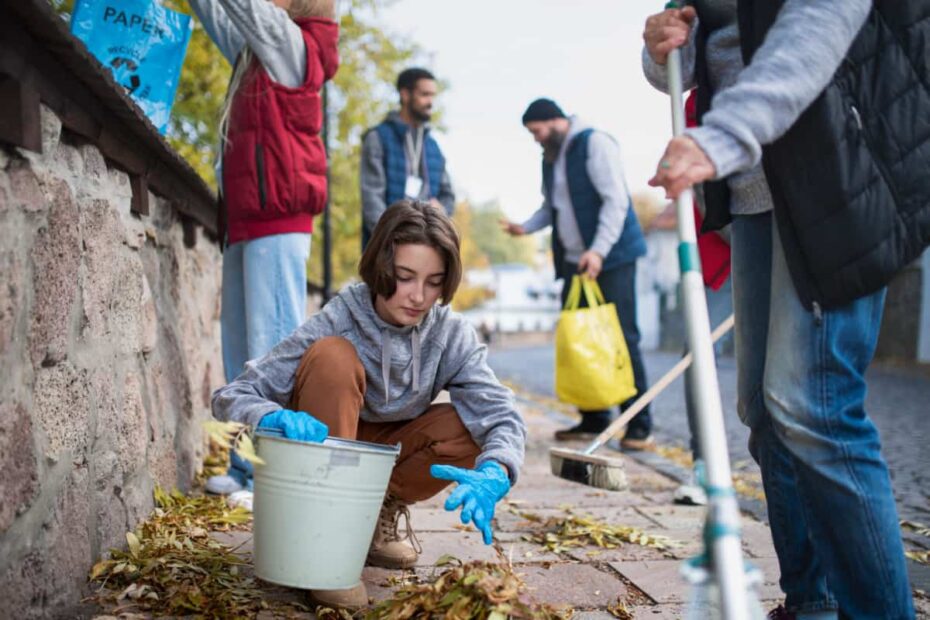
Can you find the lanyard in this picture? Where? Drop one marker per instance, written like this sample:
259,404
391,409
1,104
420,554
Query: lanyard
415,150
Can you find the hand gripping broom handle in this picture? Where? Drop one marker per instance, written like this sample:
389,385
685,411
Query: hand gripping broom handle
723,516
650,395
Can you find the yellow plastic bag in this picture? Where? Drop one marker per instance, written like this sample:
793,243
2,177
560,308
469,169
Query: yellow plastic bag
592,363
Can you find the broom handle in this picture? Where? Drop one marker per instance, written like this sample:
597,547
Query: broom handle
654,391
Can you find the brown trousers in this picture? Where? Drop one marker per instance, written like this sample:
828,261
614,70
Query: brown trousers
330,385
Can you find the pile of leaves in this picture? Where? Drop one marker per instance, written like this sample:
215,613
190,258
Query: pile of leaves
465,591
559,534
173,567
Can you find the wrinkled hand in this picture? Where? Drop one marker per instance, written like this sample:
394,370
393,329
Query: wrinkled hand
590,264
683,165
667,30
296,425
514,230
477,493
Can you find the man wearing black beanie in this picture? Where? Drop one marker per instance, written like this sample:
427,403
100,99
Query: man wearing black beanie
586,201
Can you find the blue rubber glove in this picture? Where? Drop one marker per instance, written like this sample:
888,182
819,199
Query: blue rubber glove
477,493
296,425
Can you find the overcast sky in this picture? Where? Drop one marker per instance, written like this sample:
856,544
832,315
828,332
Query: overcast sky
497,56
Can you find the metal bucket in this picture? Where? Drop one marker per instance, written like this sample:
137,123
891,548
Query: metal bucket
315,509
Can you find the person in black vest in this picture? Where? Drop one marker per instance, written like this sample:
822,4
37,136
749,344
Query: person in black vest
808,142
585,200
400,159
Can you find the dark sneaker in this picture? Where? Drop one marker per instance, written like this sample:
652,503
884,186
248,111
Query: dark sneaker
579,432
637,439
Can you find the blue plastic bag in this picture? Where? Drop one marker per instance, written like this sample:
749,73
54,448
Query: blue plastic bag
142,43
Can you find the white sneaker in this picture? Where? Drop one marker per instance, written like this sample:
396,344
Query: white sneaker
241,499
691,493
222,485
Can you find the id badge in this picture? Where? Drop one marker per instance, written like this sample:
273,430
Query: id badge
413,187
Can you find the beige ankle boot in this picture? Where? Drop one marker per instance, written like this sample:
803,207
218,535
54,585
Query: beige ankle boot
389,548
352,599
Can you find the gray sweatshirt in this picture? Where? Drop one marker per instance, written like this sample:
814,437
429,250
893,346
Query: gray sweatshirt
374,182
405,368
606,172
756,105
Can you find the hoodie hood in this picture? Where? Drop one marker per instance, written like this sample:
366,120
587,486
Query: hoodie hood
326,34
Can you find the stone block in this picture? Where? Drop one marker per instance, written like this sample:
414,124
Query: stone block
51,129
61,406
25,191
12,286
113,280
95,174
149,318
56,258
122,425
67,164
111,518
19,482
52,575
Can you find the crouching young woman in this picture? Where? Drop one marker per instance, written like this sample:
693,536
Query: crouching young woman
369,365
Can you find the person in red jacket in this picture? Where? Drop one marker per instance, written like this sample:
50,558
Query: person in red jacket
272,173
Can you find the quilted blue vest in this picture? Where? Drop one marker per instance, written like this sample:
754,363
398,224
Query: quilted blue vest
392,134
586,203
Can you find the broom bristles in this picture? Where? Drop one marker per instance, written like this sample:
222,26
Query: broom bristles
599,472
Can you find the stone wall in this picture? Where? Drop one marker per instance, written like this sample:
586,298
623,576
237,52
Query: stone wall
109,351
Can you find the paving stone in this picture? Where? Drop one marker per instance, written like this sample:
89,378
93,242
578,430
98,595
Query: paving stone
757,539
672,516
572,585
658,612
659,579
466,546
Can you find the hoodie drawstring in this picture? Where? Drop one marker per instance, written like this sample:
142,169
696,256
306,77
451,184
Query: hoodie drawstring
415,345
386,351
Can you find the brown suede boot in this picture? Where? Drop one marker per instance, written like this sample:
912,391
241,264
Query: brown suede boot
389,548
352,599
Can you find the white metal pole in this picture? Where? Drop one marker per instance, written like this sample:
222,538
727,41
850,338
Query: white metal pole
723,517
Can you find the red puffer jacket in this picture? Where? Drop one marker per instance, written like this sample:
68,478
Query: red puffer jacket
714,251
274,164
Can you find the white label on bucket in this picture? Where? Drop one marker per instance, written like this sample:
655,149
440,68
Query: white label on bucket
343,458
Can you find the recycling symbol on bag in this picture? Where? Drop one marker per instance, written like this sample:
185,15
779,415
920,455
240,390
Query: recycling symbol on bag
130,64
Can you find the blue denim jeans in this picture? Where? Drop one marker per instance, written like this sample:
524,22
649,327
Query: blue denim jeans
801,391
619,287
264,300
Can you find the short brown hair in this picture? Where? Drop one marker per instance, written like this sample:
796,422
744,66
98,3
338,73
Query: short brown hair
410,222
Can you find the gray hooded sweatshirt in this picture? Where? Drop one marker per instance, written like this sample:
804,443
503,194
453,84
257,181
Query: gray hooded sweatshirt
405,368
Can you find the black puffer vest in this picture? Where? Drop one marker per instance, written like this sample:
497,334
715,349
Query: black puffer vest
851,179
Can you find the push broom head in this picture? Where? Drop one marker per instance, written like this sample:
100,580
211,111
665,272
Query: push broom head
595,471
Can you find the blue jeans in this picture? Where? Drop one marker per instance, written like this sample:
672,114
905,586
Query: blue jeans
801,392
264,300
619,287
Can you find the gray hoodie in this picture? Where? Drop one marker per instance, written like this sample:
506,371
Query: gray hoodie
405,368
